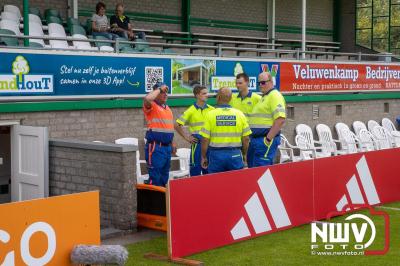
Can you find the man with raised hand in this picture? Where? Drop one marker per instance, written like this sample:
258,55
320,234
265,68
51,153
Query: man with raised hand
159,135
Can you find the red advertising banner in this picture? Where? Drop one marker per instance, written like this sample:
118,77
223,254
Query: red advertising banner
210,211
318,77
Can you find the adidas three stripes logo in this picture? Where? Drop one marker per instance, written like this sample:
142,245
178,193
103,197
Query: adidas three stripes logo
256,213
355,192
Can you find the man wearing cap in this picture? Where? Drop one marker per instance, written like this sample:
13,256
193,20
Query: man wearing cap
226,135
266,121
159,135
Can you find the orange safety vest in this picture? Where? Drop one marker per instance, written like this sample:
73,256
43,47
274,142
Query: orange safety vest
160,123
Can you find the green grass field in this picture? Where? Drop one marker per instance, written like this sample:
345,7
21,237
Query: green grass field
290,247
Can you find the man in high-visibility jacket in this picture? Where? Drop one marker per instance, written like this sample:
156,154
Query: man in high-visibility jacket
266,121
245,100
194,118
159,135
226,136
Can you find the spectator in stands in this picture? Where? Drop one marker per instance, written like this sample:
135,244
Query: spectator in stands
245,100
121,25
159,135
194,118
266,121
226,135
100,25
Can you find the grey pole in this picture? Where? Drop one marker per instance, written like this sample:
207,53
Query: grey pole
303,29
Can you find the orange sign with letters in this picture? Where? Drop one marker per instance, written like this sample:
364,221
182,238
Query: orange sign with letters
44,231
300,77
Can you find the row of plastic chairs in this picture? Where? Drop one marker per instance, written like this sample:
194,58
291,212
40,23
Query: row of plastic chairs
368,137
34,18
54,30
10,27
10,23
183,156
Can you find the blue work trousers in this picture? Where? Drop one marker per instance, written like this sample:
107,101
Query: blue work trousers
158,158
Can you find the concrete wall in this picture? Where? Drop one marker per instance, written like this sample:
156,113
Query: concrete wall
237,10
77,166
110,124
319,15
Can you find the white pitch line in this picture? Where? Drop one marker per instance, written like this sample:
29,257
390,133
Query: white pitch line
389,208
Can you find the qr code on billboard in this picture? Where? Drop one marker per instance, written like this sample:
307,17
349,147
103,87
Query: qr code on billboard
152,76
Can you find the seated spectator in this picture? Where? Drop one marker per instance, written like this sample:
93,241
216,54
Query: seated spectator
120,24
100,26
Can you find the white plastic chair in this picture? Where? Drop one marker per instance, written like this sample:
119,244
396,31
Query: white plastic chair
382,137
394,134
13,9
36,30
371,124
358,125
347,138
351,141
106,49
184,159
339,127
82,45
286,151
57,30
34,18
367,140
134,141
328,142
10,16
13,26
307,137
306,151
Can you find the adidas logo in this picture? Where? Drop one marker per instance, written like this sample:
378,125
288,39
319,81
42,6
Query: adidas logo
356,194
256,213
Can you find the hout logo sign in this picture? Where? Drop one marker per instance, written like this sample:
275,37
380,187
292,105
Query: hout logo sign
22,82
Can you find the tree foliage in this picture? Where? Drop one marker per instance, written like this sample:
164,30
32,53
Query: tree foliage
374,28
